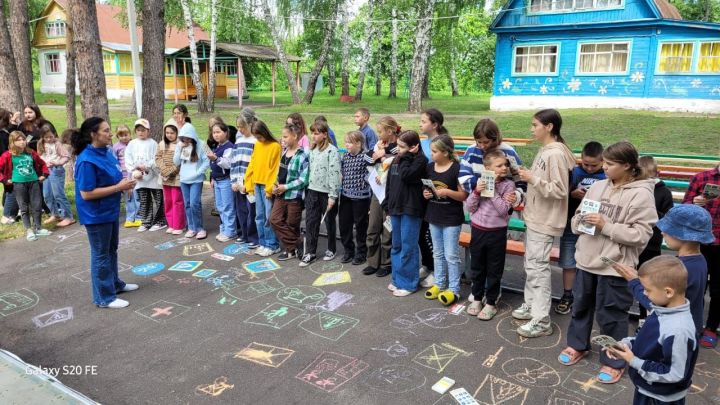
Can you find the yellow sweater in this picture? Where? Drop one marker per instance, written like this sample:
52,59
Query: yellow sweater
263,167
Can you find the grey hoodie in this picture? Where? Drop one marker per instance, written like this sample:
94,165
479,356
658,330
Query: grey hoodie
546,201
629,213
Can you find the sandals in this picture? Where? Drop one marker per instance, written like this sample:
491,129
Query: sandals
488,312
609,375
709,339
474,308
570,356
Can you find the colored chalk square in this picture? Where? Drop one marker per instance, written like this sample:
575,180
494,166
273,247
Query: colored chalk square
261,265
221,256
148,269
204,273
235,249
332,278
186,265
165,246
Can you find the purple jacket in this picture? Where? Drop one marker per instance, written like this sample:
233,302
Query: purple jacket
491,212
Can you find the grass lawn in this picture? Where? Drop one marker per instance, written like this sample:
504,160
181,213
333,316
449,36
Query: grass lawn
650,131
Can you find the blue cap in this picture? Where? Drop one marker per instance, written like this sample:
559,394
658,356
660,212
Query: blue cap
688,223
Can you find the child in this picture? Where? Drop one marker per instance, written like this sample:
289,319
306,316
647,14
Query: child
220,162
70,165
55,156
9,203
406,206
330,131
618,232
259,179
379,240
132,220
354,199
431,124
170,173
696,195
489,217
362,117
662,356
193,162
582,177
244,203
140,162
445,215
22,169
322,194
289,190
297,120
181,115
545,216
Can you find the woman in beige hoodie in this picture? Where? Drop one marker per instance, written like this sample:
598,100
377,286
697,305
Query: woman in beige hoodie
545,215
623,226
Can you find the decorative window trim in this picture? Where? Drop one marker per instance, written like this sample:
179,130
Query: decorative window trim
555,71
574,8
48,63
58,25
578,55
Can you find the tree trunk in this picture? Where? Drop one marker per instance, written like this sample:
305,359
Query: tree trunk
199,88
708,8
70,76
331,71
420,65
453,73
19,35
153,78
86,41
344,75
281,53
10,95
378,74
366,52
393,56
426,82
324,51
211,68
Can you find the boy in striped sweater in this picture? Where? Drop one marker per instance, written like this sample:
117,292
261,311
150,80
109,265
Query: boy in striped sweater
240,159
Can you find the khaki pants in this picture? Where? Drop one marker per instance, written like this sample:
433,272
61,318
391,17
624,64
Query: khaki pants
379,240
537,270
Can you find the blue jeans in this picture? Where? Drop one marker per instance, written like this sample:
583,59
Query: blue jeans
54,193
104,261
131,205
10,205
405,252
246,218
446,256
263,208
225,204
192,193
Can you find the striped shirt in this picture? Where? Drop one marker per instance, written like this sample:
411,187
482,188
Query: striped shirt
240,158
471,165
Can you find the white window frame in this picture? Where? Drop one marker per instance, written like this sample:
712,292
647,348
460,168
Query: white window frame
554,72
556,6
613,42
49,62
697,63
693,57
58,26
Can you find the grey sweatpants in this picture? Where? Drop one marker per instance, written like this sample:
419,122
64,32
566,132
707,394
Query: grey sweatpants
537,274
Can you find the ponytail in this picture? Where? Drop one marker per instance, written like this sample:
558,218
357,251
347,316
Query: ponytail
551,116
82,137
436,117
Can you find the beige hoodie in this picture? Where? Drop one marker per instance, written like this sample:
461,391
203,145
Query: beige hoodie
546,201
629,214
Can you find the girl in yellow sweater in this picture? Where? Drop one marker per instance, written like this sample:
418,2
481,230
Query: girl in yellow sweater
260,176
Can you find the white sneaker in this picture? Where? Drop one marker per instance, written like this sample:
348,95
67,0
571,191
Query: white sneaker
177,231
274,251
428,281
401,293
142,228
190,234
263,251
157,227
222,238
118,303
328,256
169,230
130,287
423,272
392,287
31,235
522,313
535,328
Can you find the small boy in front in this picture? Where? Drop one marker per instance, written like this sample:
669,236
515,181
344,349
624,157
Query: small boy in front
362,116
662,356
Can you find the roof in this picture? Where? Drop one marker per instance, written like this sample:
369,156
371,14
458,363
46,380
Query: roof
667,10
112,31
226,50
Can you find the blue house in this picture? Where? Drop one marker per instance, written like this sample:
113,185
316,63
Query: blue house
636,54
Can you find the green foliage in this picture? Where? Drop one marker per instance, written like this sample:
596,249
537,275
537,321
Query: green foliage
702,10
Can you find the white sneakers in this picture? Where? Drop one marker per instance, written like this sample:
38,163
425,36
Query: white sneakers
117,304
266,251
157,227
428,281
130,287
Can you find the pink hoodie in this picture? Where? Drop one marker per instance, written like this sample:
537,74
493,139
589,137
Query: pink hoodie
491,212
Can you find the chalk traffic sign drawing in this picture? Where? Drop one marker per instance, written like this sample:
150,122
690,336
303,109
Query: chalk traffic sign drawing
38,267
243,276
496,391
225,300
395,379
702,368
166,245
53,317
62,237
265,355
186,265
251,291
261,265
71,248
329,325
17,301
161,278
300,295
162,311
436,318
326,267
236,249
276,316
394,350
507,329
333,301
438,357
215,388
330,371
204,273
148,269
338,277
220,256
587,385
561,398
130,243
531,372
197,249
491,359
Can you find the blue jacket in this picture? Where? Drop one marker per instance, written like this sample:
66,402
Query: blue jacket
96,168
665,352
191,172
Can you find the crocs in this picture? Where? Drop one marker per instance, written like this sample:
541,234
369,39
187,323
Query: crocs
609,375
570,356
709,339
447,297
432,293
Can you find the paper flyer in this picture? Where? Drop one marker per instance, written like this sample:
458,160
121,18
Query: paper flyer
588,207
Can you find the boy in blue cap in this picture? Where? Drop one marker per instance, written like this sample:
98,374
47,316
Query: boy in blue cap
684,228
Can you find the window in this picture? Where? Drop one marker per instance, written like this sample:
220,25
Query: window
536,59
109,62
539,6
125,63
169,66
229,68
675,57
709,57
55,29
603,58
52,63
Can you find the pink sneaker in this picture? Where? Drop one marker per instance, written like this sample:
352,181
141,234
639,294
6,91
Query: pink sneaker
201,235
190,234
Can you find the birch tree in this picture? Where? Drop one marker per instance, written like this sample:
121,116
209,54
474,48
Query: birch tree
325,49
394,56
70,74
344,74
19,35
211,69
331,72
153,78
453,72
366,51
421,54
10,95
200,89
280,52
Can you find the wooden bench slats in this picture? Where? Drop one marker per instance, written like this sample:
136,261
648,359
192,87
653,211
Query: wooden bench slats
513,247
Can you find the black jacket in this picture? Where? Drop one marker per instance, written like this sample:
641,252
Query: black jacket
663,204
403,190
